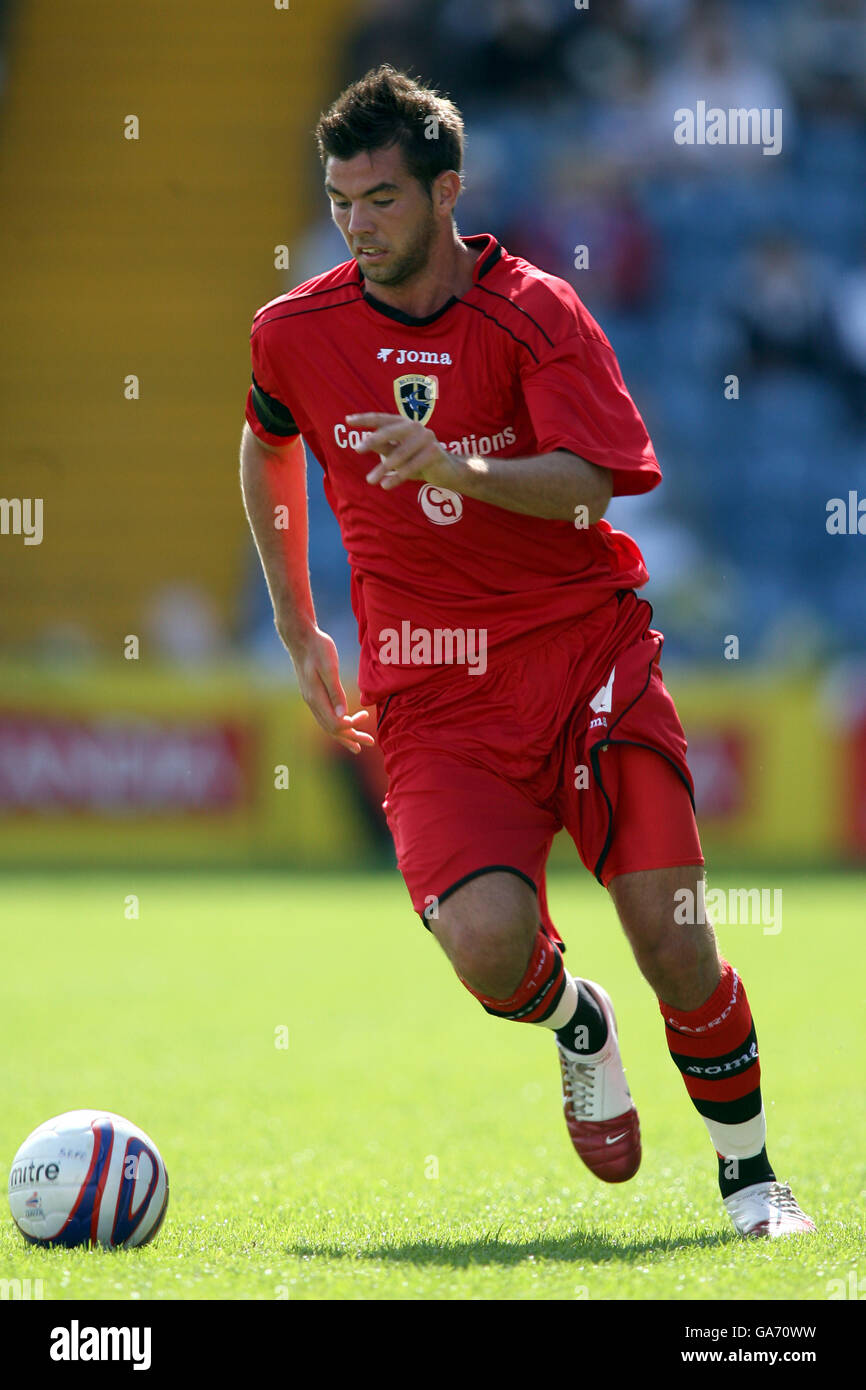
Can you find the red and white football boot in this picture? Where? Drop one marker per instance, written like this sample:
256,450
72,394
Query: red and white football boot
599,1111
767,1209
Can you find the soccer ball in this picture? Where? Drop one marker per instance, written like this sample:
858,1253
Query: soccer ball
88,1177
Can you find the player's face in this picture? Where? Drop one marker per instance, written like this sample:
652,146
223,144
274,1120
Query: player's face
384,214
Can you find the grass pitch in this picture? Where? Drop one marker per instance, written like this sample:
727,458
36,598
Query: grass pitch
341,1120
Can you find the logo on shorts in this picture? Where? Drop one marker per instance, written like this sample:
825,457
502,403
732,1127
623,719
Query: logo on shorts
602,703
416,396
439,505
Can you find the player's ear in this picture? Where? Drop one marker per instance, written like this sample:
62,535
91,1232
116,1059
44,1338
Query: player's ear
446,190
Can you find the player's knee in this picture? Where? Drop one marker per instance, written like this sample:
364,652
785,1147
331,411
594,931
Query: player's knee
490,955
488,929
663,954
680,962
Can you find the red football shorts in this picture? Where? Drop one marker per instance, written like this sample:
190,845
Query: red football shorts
578,732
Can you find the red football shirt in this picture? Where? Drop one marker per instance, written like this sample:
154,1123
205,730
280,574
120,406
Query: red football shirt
515,367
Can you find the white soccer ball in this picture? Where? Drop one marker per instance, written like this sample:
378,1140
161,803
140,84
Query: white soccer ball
88,1177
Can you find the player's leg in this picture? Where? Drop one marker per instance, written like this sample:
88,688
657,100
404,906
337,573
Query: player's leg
471,848
679,959
487,929
473,819
708,1021
490,930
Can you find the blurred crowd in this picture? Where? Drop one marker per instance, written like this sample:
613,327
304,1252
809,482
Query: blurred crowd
731,283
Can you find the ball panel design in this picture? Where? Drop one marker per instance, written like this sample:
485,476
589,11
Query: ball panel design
88,1177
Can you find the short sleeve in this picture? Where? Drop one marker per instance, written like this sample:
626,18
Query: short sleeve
578,401
269,418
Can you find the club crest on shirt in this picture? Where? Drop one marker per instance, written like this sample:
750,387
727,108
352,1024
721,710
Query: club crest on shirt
416,396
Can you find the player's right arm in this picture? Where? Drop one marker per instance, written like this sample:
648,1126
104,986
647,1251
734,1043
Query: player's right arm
274,488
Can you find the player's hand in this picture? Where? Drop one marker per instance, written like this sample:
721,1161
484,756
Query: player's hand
317,667
407,450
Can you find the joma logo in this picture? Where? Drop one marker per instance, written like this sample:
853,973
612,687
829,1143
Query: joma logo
742,1061
441,359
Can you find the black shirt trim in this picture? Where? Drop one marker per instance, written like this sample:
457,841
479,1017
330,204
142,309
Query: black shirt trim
520,310
486,262
391,313
492,257
271,414
499,324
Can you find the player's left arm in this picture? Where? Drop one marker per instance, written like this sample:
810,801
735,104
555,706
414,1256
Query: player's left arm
552,486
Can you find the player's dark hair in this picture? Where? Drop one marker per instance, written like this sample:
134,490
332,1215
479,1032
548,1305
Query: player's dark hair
385,108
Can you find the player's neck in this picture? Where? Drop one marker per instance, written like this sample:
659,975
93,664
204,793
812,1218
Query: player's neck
447,275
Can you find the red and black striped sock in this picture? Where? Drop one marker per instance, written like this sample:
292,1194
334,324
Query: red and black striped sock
716,1049
539,992
549,995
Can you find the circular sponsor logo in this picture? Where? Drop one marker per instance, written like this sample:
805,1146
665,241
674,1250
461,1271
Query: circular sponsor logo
439,505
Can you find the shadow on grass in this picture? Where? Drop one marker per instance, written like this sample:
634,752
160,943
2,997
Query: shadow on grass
581,1247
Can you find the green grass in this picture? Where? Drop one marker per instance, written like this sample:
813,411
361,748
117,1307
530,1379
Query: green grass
306,1172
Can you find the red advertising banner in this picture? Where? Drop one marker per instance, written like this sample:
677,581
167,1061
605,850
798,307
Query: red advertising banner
856,772
718,759
99,766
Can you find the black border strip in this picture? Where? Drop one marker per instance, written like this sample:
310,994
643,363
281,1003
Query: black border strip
730,1112
277,418
493,256
319,309
311,294
625,743
399,317
525,312
684,1060
487,869
478,310
476,873
490,869
485,263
